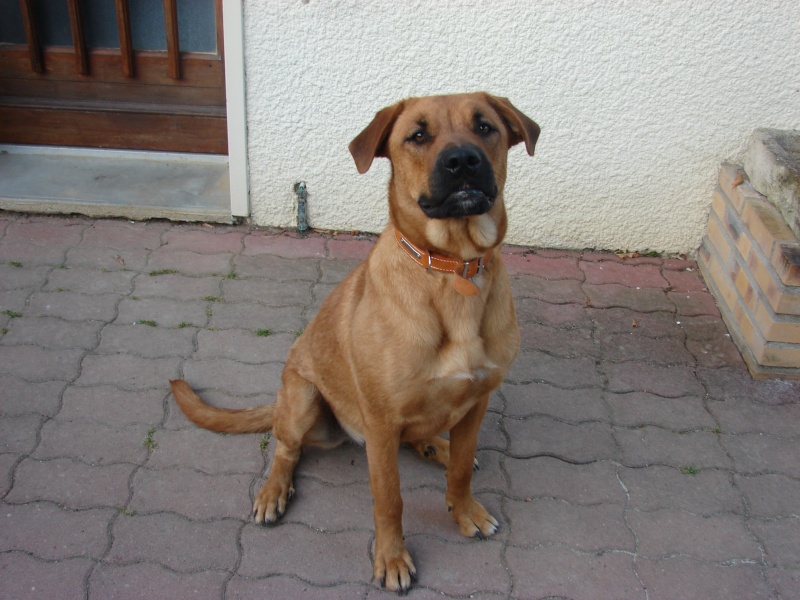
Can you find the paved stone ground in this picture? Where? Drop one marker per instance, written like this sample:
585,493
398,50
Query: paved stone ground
628,455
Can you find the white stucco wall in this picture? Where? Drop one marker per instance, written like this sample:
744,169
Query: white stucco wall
639,103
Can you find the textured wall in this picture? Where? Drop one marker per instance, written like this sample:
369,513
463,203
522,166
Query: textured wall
639,103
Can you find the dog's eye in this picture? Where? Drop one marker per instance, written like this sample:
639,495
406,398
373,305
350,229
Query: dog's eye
418,137
484,128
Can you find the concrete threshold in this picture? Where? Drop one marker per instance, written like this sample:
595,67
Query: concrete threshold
115,183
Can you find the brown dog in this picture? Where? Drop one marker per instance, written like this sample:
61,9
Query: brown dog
413,341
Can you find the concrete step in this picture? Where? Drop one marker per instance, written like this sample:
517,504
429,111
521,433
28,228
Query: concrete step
100,183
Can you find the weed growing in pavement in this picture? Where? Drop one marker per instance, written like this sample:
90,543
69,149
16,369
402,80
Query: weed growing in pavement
149,442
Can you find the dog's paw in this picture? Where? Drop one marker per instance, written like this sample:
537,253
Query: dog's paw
271,503
473,519
395,572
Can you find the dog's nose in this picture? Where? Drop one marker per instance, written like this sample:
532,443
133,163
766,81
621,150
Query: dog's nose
461,160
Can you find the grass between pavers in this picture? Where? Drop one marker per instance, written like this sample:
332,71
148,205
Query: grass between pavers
264,443
689,470
147,322
15,263
212,298
12,313
158,272
149,442
263,332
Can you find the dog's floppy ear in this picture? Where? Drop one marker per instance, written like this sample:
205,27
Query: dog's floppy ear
372,141
520,127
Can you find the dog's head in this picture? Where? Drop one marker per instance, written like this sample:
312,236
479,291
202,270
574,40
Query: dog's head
448,156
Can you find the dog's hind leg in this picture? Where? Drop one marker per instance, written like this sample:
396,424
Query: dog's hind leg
299,412
438,449
435,448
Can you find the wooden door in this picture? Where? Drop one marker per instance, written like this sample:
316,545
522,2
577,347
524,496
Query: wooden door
141,74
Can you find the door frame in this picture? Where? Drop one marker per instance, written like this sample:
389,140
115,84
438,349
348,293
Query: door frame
236,106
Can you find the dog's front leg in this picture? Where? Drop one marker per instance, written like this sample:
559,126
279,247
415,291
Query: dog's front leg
472,518
393,566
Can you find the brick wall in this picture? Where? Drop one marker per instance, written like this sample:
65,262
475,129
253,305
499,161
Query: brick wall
750,260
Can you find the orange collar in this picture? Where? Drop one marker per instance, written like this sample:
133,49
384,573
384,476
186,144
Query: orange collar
464,270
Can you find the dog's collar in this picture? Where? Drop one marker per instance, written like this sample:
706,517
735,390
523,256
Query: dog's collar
464,270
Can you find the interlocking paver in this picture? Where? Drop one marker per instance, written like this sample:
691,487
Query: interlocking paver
22,576
558,291
20,397
573,405
707,492
480,558
548,477
164,312
176,286
206,451
35,363
568,372
17,276
277,268
249,315
73,306
684,577
614,295
52,333
727,383
189,263
144,580
7,463
203,242
191,493
244,345
320,558
671,381
89,281
567,343
53,533
583,442
644,446
19,434
756,453
563,573
628,454
127,371
739,415
111,405
770,495
70,483
107,258
266,292
175,542
635,409
531,310
622,347
243,378
278,586
717,538
147,341
545,521
284,246
106,444
781,540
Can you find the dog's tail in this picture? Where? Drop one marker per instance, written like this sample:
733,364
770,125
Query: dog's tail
222,420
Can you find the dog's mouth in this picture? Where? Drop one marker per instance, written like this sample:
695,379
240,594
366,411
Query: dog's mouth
465,201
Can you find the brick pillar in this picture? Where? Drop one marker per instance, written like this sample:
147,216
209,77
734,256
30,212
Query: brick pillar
750,259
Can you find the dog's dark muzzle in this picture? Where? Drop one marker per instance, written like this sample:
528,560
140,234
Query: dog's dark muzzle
462,184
